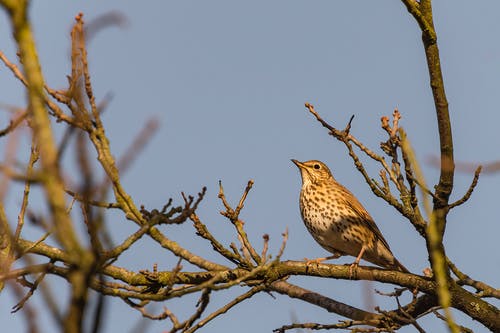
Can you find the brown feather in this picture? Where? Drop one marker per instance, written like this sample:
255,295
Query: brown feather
350,200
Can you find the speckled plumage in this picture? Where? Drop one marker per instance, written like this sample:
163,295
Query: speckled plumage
338,221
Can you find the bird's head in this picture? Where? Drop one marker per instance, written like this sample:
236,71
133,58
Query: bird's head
313,172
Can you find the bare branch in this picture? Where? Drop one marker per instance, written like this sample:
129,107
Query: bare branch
328,304
20,218
469,191
14,123
226,307
202,230
483,290
233,216
33,287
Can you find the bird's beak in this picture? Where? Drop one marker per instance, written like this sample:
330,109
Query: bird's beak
300,165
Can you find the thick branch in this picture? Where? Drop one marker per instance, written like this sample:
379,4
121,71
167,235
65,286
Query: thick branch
461,299
422,12
327,303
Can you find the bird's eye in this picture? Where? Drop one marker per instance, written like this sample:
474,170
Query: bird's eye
316,166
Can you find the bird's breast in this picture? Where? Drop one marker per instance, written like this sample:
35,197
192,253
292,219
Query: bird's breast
329,220
320,209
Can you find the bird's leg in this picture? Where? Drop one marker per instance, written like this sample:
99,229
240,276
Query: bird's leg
356,262
320,260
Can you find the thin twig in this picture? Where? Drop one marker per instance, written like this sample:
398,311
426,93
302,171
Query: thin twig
226,307
469,191
126,244
233,216
283,244
140,141
202,231
243,198
462,329
93,202
201,306
265,247
29,170
39,279
483,289
14,123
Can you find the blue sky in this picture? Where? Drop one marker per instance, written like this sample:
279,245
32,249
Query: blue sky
227,81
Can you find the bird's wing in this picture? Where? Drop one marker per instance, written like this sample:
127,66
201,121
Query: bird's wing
350,200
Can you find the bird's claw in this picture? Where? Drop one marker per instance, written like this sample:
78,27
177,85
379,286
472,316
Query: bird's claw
352,272
316,261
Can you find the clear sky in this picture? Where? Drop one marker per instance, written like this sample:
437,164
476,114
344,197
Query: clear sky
227,82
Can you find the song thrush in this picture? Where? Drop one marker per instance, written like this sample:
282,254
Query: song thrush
337,221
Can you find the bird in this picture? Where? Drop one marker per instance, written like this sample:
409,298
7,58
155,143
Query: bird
338,222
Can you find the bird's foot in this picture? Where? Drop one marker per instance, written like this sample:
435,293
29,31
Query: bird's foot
353,270
317,261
